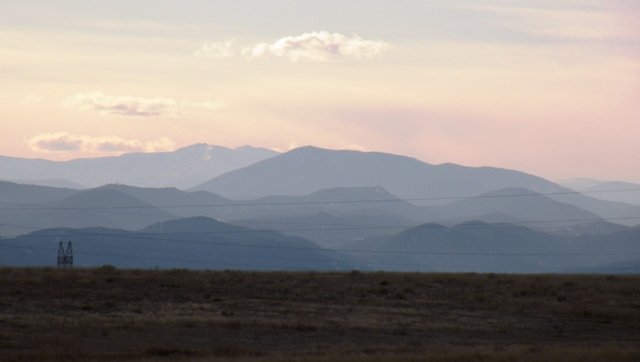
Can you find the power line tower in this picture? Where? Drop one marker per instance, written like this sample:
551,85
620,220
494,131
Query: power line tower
65,257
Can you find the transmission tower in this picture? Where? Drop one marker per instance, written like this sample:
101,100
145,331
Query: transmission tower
65,257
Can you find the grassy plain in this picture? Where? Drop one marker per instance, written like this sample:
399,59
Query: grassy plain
177,315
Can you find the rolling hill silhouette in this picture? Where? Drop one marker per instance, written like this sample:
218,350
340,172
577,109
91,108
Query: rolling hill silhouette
199,243
483,247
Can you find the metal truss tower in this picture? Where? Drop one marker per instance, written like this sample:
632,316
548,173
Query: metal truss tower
65,257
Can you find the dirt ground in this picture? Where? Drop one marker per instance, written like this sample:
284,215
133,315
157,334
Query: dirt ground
109,314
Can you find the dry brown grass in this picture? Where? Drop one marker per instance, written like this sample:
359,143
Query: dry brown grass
178,315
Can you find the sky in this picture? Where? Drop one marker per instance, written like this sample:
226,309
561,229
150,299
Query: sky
547,87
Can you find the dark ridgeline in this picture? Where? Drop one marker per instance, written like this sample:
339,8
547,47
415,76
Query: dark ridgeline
194,243
203,243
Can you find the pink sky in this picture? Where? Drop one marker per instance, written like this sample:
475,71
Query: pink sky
545,87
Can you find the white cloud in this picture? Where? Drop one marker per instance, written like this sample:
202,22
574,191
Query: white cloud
319,47
216,50
123,105
61,142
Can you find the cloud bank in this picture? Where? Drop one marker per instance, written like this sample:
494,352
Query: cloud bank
60,142
319,46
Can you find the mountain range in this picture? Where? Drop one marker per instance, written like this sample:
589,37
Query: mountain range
324,200
308,169
342,214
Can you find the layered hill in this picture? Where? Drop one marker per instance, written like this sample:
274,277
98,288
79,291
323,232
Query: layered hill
363,200
329,230
514,205
616,191
329,217
15,193
95,207
178,202
484,247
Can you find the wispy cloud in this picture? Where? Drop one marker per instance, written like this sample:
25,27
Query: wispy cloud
123,105
216,50
130,106
319,46
61,142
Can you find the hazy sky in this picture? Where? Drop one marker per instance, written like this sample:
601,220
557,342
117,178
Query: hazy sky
547,87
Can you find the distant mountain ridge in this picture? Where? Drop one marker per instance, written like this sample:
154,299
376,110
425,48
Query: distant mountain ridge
618,191
309,169
182,168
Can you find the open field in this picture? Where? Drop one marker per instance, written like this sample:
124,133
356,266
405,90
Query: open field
178,315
